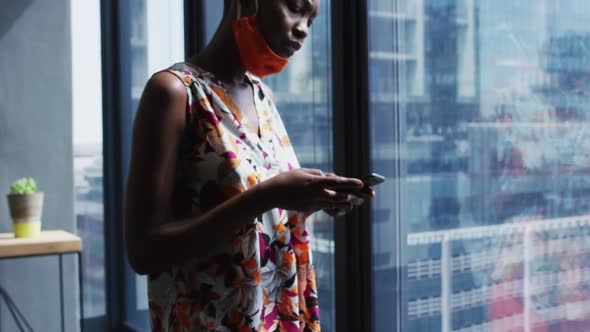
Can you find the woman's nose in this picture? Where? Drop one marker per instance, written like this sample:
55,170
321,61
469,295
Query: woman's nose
301,31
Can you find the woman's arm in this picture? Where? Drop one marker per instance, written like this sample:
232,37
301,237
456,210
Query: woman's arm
154,242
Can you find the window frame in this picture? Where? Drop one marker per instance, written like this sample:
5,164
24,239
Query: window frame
117,130
194,34
352,158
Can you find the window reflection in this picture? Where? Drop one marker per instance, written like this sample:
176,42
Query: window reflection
479,121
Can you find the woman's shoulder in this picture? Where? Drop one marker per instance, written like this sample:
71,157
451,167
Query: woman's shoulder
187,73
164,86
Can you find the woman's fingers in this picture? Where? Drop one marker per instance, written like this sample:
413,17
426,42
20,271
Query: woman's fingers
358,201
339,183
335,212
333,181
338,209
313,171
333,197
337,197
346,207
335,209
368,191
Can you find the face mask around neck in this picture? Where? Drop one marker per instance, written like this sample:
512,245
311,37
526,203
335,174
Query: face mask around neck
255,53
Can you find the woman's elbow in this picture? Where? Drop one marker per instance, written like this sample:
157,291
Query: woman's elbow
138,253
140,269
138,261
136,247
143,257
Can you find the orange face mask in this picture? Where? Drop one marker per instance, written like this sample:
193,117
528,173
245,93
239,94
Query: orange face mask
257,57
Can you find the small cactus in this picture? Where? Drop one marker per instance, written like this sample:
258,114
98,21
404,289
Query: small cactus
24,186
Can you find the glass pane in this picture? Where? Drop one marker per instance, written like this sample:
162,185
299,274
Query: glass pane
479,122
87,140
303,96
155,42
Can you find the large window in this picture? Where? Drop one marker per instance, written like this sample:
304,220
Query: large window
88,157
479,120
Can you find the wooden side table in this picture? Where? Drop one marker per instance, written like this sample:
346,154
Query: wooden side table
48,243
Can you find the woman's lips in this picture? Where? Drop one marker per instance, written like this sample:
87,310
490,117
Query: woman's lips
296,45
293,46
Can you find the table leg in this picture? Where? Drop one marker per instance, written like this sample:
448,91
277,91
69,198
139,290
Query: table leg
61,292
13,311
81,287
16,314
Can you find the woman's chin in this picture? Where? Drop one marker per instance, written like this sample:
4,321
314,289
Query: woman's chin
285,52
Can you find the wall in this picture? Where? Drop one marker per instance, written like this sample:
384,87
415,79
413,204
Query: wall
36,140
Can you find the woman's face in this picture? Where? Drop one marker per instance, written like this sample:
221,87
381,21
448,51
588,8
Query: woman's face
285,23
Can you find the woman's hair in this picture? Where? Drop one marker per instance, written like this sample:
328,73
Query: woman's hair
226,5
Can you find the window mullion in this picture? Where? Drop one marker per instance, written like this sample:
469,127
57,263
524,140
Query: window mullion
351,156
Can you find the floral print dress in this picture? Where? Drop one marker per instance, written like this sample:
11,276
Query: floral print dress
262,279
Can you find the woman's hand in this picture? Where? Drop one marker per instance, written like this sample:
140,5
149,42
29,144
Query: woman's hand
310,190
355,198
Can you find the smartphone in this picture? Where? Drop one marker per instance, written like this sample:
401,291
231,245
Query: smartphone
372,179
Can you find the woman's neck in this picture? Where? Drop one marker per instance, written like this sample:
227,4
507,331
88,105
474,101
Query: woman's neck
222,56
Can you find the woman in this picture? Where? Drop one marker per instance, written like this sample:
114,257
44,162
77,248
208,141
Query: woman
216,202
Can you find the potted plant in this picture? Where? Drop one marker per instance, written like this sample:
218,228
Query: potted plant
26,205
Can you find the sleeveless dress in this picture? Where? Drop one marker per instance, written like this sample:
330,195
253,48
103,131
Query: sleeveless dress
262,279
